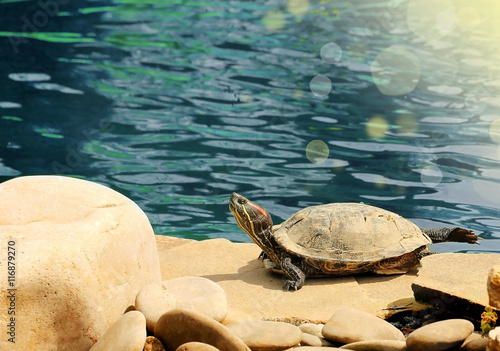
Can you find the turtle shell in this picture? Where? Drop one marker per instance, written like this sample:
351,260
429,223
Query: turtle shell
351,234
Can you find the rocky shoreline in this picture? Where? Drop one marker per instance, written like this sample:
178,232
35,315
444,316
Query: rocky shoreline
91,252
203,323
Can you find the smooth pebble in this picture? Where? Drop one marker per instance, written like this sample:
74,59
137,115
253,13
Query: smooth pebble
196,346
267,335
439,335
197,293
153,344
181,325
349,325
313,340
376,345
313,329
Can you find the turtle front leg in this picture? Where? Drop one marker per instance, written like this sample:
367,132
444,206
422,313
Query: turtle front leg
297,277
451,234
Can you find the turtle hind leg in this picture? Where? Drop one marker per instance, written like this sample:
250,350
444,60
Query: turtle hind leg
451,234
297,277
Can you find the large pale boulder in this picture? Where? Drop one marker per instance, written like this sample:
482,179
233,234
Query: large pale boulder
82,252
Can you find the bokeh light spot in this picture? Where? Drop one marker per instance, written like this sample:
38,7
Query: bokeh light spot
317,151
298,7
468,18
495,131
446,21
407,124
376,127
331,53
395,71
380,182
320,85
274,20
428,18
431,176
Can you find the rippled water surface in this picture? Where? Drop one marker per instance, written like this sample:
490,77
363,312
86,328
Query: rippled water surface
176,104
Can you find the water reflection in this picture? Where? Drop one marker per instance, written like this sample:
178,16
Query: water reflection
177,104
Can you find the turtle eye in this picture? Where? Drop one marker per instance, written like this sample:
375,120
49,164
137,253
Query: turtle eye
242,201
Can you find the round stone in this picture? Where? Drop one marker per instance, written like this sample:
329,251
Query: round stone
311,328
313,340
197,293
196,346
376,345
153,344
439,335
127,333
181,325
475,342
267,335
349,325
318,348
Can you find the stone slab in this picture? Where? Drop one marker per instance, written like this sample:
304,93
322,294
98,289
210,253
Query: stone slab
251,289
455,282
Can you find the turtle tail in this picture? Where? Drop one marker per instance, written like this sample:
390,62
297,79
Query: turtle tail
457,234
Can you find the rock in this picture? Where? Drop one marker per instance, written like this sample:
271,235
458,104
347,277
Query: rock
349,325
179,326
475,342
439,335
439,284
235,316
494,286
267,335
128,333
494,340
313,340
197,293
313,329
196,346
153,344
83,252
376,345
310,340
235,267
317,348
129,308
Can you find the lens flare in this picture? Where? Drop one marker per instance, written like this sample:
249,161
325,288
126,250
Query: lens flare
298,7
407,124
468,18
331,53
446,22
274,20
431,176
428,18
320,85
317,151
376,127
495,131
396,71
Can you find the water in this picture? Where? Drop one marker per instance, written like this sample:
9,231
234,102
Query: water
176,104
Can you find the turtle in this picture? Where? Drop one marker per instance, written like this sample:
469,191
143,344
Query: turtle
338,239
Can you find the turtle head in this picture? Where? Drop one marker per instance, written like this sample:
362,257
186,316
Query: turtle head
251,218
